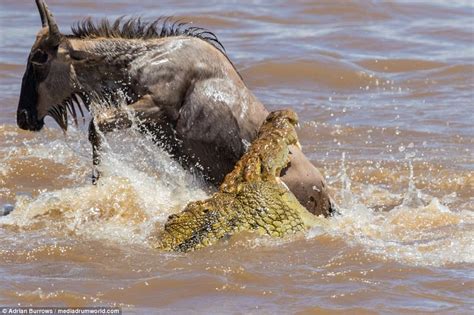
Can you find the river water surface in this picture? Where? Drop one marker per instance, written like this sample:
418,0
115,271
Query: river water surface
384,91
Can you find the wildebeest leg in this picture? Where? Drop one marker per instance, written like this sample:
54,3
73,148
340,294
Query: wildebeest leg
143,107
95,138
96,142
210,135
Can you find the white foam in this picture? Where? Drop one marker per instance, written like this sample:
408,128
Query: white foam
420,230
140,187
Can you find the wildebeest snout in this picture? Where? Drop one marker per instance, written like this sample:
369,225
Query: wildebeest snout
22,119
28,121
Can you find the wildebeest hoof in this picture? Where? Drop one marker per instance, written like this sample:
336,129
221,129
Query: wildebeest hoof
95,176
7,209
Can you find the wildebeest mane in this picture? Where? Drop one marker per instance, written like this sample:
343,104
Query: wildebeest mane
136,28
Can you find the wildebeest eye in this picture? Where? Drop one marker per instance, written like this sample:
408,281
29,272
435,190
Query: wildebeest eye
78,55
39,57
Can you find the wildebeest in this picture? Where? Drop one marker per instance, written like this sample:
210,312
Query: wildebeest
176,78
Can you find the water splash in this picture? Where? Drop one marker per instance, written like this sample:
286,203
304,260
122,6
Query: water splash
140,187
414,232
413,197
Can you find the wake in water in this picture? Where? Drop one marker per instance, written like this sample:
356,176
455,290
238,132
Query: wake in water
141,186
420,230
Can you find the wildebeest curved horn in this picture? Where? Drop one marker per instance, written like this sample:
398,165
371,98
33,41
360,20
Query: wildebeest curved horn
54,33
44,20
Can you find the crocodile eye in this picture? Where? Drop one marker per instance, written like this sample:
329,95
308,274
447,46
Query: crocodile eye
39,57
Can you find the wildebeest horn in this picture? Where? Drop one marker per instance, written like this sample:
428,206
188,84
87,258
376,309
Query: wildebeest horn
39,4
47,19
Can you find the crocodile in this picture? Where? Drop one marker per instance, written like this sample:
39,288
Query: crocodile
252,196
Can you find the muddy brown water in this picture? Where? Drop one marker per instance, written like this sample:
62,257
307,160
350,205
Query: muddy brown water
384,90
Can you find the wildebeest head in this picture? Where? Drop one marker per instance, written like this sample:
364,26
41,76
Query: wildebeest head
92,63
48,85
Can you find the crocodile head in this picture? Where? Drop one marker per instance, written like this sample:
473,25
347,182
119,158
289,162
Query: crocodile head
251,198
